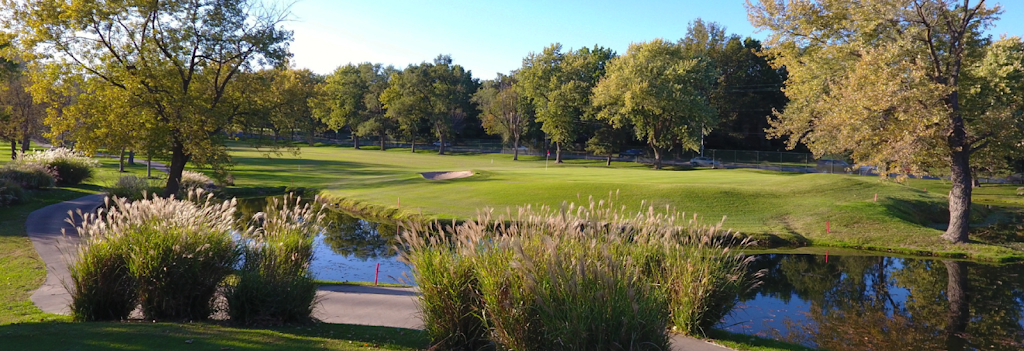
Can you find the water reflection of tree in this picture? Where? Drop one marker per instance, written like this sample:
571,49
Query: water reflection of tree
353,237
344,234
877,303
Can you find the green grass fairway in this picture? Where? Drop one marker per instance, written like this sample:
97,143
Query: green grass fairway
767,205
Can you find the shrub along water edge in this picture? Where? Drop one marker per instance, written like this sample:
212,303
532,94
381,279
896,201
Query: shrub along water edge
578,277
274,284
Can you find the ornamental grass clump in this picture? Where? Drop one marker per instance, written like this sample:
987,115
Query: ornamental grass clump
129,187
29,175
589,277
71,167
274,284
191,180
175,252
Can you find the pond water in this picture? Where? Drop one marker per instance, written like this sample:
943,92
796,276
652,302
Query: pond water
349,248
856,301
884,303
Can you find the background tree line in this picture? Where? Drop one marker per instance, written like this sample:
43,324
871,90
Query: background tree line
911,87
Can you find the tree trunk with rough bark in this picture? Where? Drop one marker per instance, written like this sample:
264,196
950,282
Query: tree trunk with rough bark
515,150
14,149
131,158
120,162
608,161
177,166
440,149
355,141
959,198
26,144
382,148
657,157
558,152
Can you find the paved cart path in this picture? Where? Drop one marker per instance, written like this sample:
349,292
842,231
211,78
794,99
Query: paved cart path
348,304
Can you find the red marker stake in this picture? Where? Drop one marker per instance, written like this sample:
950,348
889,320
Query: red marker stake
376,274
826,228
399,202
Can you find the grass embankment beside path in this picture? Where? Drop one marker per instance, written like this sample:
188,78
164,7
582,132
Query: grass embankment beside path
25,327
789,208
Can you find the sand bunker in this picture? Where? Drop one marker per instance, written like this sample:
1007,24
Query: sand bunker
446,175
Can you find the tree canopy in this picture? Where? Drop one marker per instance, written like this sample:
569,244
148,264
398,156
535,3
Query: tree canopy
506,111
560,84
174,63
888,82
662,92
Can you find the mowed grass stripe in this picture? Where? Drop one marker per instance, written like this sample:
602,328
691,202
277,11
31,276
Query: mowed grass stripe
790,206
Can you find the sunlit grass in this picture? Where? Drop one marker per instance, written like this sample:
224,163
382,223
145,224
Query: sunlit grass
771,206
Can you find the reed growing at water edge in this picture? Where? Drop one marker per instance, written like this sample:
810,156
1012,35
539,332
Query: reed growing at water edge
274,284
592,277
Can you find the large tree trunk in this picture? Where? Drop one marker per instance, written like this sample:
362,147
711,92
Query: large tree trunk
131,158
657,157
355,141
959,198
558,152
120,162
149,166
959,310
440,149
26,142
177,166
413,145
14,149
515,150
382,141
608,161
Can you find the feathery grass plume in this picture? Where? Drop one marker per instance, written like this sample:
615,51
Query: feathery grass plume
177,252
10,193
449,302
29,175
577,277
194,180
71,167
130,187
274,284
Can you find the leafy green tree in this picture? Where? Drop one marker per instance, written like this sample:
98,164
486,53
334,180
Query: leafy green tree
175,62
436,93
279,98
887,83
560,85
608,140
662,92
506,111
21,117
351,97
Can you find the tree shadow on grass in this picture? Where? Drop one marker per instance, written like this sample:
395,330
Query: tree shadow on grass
204,336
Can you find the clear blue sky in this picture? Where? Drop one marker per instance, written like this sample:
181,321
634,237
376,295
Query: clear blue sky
489,36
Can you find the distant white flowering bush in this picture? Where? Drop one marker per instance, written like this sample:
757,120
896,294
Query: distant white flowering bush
71,167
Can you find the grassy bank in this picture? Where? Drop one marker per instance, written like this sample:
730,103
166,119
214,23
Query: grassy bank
774,207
